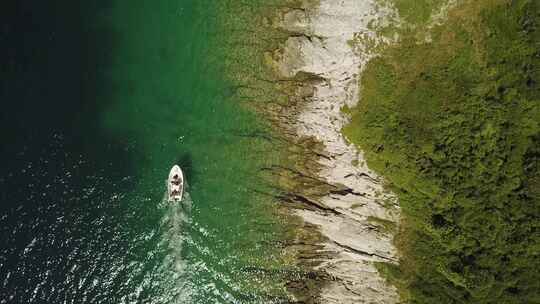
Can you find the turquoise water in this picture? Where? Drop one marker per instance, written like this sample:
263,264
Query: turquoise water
84,182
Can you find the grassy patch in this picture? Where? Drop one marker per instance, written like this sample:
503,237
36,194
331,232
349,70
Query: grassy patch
418,11
415,12
385,225
454,125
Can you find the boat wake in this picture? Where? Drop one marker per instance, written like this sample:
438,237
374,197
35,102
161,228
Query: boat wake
176,218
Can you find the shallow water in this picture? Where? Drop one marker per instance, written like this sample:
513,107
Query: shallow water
99,100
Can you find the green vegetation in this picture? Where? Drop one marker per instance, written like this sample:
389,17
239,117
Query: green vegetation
416,12
384,225
453,124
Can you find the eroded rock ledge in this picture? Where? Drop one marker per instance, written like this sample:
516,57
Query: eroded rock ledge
333,191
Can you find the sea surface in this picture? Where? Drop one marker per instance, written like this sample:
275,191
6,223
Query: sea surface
98,100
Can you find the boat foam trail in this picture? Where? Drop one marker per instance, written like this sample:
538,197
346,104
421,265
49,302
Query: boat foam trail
173,224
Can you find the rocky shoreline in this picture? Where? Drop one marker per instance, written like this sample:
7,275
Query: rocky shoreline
343,206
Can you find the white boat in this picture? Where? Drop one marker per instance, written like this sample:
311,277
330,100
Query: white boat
175,184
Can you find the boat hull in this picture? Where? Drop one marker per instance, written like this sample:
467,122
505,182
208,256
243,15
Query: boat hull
175,187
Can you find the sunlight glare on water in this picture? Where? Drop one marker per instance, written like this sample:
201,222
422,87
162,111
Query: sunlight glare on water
120,93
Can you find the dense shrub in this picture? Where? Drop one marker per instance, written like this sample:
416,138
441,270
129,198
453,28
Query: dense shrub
453,123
